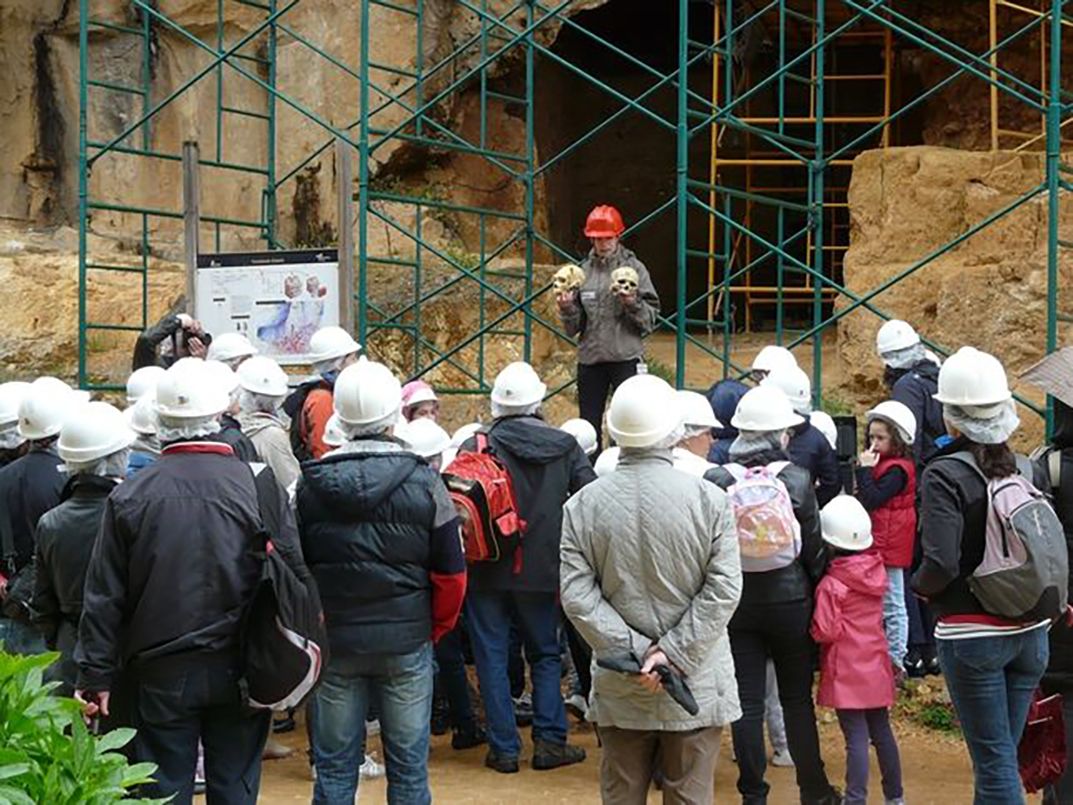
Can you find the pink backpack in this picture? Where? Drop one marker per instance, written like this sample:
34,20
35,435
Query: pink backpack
769,535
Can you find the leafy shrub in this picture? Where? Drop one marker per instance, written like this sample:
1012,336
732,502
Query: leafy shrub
47,754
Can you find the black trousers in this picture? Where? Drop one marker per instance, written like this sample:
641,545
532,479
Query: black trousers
175,707
595,381
781,632
581,654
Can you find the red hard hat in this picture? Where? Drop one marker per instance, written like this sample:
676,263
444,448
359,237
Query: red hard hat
604,222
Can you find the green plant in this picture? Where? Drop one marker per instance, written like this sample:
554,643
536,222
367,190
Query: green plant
660,370
47,755
938,716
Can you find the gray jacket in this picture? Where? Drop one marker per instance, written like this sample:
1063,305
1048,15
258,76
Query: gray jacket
650,555
271,438
608,330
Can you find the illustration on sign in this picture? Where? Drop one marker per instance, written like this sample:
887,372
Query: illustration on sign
276,299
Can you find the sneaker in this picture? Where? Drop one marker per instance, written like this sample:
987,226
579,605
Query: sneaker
898,801
468,737
283,724
548,755
914,665
577,706
932,667
274,750
782,758
504,764
371,770
523,710
372,728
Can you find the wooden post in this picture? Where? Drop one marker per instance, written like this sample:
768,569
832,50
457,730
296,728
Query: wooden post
345,179
191,221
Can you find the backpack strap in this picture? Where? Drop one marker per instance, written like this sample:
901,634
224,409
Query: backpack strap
965,457
775,467
736,471
265,512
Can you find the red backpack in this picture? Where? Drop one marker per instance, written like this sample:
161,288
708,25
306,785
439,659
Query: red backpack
482,491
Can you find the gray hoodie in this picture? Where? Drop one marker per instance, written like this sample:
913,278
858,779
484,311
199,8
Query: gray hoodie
271,437
608,330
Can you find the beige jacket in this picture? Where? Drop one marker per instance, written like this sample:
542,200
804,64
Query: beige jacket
271,438
650,554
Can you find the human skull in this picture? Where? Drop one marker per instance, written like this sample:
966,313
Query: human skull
624,281
568,278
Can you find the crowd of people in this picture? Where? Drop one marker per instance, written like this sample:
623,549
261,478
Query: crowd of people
687,561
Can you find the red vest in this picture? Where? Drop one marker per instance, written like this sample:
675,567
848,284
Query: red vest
894,524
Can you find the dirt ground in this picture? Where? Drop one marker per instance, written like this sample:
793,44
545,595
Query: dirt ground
935,770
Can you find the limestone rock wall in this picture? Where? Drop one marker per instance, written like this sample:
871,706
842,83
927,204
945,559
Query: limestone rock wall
989,291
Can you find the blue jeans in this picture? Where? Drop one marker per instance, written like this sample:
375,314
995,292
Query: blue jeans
21,638
895,615
991,680
402,686
488,615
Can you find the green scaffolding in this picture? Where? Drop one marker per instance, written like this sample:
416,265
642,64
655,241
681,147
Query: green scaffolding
410,90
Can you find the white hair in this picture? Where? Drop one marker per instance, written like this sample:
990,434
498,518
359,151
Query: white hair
9,437
172,429
382,425
329,365
147,443
689,431
253,403
114,465
500,411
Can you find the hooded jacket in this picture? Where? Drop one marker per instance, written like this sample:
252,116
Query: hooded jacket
650,555
309,407
915,389
270,437
65,537
1059,676
607,329
176,562
546,466
29,487
794,582
380,536
855,667
810,449
724,397
231,434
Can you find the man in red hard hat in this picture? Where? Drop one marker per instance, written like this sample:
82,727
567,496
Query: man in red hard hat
609,318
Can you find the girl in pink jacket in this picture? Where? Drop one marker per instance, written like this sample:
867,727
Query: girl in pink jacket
856,677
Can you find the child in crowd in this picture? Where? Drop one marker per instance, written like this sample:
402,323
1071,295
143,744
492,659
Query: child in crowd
886,487
856,677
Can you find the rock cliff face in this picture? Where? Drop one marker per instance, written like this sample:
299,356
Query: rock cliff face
989,291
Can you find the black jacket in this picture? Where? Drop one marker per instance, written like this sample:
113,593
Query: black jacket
810,449
952,526
797,581
546,466
174,565
367,521
1059,676
147,344
65,537
230,433
29,487
915,388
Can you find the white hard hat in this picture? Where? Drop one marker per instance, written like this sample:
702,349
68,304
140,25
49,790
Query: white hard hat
898,415
222,374
331,342
644,410
449,455
190,390
845,524
46,406
795,384
696,410
367,392
606,462
821,421
458,438
772,357
765,408
425,437
333,432
262,375
143,382
228,346
92,431
895,335
583,431
518,385
11,395
141,417
972,378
